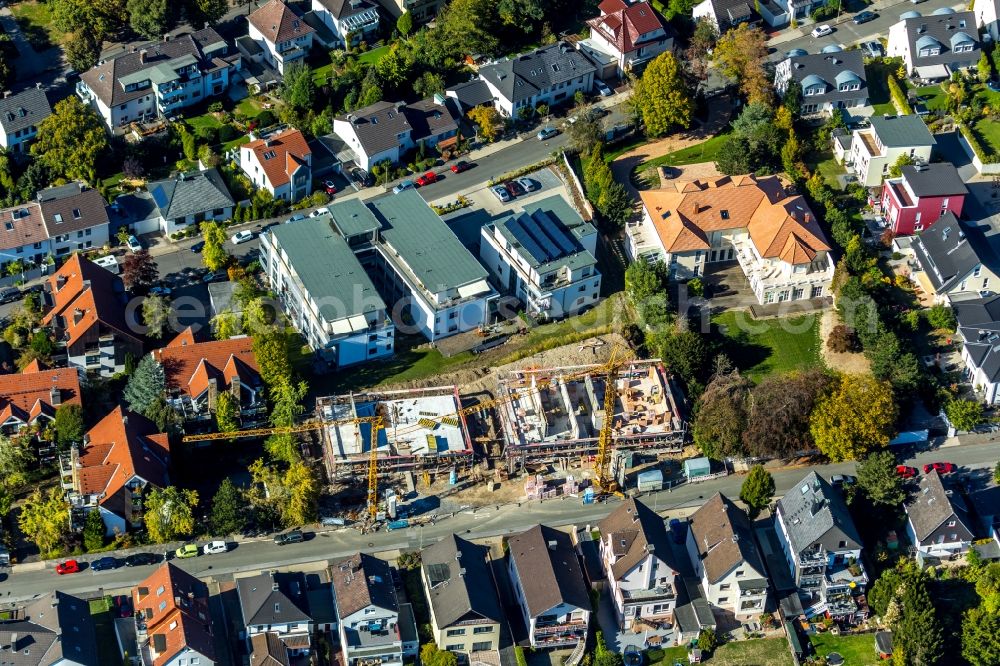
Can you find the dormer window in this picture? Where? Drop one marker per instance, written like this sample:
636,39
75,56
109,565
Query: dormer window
76,214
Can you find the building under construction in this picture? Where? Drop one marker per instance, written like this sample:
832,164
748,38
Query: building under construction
561,410
421,427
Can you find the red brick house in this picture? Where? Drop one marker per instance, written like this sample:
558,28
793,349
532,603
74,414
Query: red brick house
920,196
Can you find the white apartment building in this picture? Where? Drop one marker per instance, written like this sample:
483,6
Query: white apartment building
281,34
875,149
351,21
549,75
280,162
368,612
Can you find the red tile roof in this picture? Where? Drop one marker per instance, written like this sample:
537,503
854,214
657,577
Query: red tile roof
625,25
290,150
175,607
32,392
189,365
120,447
278,22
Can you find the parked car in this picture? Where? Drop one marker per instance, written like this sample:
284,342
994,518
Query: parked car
133,244
822,31
123,605
67,567
187,550
198,247
528,184
459,167
295,218
873,49
427,179
141,559
603,88
10,294
208,278
501,193
361,177
242,237
161,291
839,480
403,185
678,530
864,17
104,564
515,188
294,536
214,547
329,187
905,471
546,133
319,211
940,468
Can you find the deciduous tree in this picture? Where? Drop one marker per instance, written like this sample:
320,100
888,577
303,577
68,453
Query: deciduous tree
778,413
225,325
68,425
214,254
227,412
93,531
878,480
964,414
169,513
981,637
43,519
71,140
139,271
757,489
82,50
687,353
662,97
430,655
404,24
208,11
146,386
742,54
917,636
228,510
488,120
151,18
155,314
297,88
854,419
721,416
15,461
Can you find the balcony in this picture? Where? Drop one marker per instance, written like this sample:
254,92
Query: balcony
764,277
661,593
546,628
83,92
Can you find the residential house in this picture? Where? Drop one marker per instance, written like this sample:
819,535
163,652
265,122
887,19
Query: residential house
629,33
87,314
281,34
464,608
155,79
547,580
987,17
368,611
20,116
876,148
351,21
822,549
422,11
934,46
186,199
31,397
937,519
75,216
979,330
56,629
921,196
720,545
119,458
762,222
173,624
986,509
546,257
639,565
725,15
267,650
197,371
548,75
954,259
325,291
280,162
274,604
388,131
23,236
463,97
830,80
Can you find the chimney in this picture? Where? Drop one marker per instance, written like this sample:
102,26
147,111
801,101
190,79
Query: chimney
553,545
808,218
213,392
77,315
60,281
55,396
13,642
142,56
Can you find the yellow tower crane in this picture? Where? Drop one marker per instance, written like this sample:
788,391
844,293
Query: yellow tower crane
377,424
605,439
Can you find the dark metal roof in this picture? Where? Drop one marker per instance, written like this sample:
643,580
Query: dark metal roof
273,598
949,251
811,510
190,193
934,180
23,110
826,67
457,575
549,570
522,77
941,30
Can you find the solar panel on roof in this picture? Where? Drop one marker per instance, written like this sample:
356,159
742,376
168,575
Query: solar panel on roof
555,231
160,197
531,227
524,238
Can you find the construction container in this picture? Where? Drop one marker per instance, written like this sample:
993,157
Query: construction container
650,481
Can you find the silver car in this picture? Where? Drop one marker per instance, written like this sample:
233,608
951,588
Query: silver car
501,193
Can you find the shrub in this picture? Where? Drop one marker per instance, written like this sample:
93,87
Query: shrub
227,133
215,107
519,656
843,339
977,147
941,317
207,135
696,287
265,118
898,97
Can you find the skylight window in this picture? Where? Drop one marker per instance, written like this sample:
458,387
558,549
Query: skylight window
269,155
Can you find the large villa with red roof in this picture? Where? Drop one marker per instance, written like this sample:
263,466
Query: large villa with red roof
759,222
196,371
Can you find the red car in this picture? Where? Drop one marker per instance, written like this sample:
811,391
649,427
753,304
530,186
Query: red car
123,605
940,467
459,167
906,472
67,567
330,187
427,179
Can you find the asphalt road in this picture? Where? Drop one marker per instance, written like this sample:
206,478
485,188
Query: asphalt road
489,522
847,34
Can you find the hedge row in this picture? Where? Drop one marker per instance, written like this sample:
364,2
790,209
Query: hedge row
984,156
523,171
898,97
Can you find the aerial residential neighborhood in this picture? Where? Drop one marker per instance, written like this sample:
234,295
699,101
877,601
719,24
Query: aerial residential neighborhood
516,333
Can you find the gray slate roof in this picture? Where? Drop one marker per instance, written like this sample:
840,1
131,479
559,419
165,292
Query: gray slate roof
378,125
361,581
932,505
811,510
549,223
54,627
979,326
934,180
470,94
827,67
521,77
273,598
431,250
549,570
190,193
902,131
724,538
950,250
341,9
943,30
458,577
729,13
72,207
23,110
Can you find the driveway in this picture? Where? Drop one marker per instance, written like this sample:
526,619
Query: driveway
29,63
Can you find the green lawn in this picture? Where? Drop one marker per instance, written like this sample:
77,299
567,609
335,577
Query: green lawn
702,152
826,165
104,627
35,20
878,89
250,107
857,650
369,57
989,134
932,97
766,346
204,120
758,652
